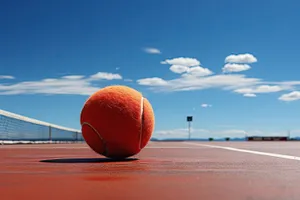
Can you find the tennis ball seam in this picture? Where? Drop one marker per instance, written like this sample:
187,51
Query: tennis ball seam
142,120
105,151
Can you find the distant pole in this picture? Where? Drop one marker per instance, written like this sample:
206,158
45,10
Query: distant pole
189,119
189,130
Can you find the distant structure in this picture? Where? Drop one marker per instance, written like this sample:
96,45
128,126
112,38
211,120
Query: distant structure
189,119
267,138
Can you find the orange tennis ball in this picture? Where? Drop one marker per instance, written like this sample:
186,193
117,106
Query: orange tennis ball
117,121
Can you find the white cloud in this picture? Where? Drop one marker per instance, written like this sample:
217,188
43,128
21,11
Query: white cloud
105,76
182,61
191,76
240,58
195,77
292,96
188,66
249,95
230,67
152,50
6,77
155,81
198,71
205,105
186,83
287,83
179,69
260,89
73,77
72,84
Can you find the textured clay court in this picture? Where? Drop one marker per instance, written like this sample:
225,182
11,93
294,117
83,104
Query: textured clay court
163,170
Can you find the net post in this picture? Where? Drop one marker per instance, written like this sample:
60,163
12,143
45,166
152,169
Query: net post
50,134
77,136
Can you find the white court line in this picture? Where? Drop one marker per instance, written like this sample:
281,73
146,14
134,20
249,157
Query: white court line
32,147
246,151
53,147
173,147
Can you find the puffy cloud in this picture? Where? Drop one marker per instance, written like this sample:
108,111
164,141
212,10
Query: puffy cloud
260,89
198,71
179,69
292,96
152,50
195,77
155,81
182,61
187,67
240,58
229,67
105,76
192,76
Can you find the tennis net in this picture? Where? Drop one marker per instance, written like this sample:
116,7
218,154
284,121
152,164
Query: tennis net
14,127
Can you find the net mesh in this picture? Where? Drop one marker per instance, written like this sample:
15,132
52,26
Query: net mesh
16,127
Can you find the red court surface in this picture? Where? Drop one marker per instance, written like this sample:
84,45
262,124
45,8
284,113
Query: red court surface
173,170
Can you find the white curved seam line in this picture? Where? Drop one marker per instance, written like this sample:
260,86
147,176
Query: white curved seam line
101,138
93,129
141,118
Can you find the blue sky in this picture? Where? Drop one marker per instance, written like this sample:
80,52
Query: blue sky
233,65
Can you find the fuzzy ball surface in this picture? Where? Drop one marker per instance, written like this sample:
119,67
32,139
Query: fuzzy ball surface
117,121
